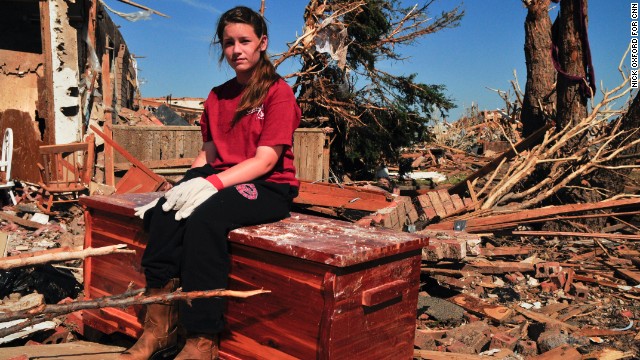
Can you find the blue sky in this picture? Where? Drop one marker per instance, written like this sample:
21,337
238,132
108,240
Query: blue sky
482,52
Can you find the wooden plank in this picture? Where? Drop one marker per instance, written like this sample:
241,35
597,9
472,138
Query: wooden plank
542,318
629,274
107,93
506,251
461,273
586,331
348,197
481,307
495,221
159,164
158,142
441,355
577,234
20,221
498,267
309,153
553,308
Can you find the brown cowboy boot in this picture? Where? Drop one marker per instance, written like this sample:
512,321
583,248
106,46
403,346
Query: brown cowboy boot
199,347
160,337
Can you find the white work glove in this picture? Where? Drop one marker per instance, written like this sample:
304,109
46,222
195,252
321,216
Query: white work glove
187,196
140,210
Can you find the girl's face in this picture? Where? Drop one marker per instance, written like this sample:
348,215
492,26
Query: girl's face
242,49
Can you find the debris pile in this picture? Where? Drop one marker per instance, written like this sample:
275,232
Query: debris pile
529,296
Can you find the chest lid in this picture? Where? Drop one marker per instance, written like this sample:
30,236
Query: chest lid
328,241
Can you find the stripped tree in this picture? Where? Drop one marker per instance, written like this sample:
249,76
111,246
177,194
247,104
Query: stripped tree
341,84
539,97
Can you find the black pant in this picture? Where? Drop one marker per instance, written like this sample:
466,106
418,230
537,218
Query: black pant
195,249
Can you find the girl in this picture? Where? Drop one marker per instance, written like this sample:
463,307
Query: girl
244,175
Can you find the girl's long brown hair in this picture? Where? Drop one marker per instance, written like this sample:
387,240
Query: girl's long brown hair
264,75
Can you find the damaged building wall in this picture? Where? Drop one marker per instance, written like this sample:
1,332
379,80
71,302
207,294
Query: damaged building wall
64,44
109,40
23,86
45,64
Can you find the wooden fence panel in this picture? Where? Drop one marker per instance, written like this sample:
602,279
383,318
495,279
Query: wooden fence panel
311,155
158,142
310,146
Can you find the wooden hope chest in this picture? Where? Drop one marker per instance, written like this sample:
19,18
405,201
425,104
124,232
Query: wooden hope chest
338,291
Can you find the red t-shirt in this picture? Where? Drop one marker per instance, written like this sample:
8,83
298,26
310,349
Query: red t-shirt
271,124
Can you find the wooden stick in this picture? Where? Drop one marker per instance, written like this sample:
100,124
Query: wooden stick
56,256
129,2
51,311
136,297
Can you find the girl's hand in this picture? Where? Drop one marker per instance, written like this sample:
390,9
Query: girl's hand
187,196
140,210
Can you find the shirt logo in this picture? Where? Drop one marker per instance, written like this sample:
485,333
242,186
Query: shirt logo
258,110
247,190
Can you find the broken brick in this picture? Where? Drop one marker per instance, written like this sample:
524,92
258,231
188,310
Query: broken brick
580,291
548,286
424,339
503,341
515,277
449,249
527,348
547,269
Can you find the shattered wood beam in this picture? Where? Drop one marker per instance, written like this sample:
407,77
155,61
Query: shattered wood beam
129,2
498,267
495,222
127,155
506,251
452,272
440,355
20,221
570,217
47,312
107,99
43,257
158,164
588,332
577,234
542,318
606,283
